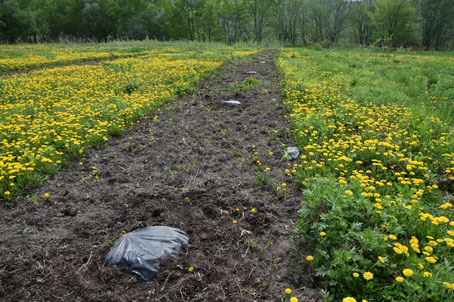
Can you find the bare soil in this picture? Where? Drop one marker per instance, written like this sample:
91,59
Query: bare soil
191,168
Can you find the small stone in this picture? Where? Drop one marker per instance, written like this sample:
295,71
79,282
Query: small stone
251,72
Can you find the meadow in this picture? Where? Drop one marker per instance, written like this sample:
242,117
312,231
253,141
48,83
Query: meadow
23,57
375,130
53,115
377,171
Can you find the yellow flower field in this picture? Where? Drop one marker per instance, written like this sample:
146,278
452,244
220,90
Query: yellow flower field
379,182
50,116
20,57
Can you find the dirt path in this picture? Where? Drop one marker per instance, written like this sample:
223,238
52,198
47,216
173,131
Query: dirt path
191,168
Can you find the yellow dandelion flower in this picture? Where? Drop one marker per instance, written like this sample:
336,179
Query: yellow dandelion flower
431,259
408,272
368,276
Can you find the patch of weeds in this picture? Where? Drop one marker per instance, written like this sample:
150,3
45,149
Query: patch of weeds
134,148
170,175
250,83
114,130
130,87
25,228
431,83
262,179
252,244
183,89
237,154
235,86
150,136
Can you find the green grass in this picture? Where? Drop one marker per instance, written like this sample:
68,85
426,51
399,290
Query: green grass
422,81
27,56
375,131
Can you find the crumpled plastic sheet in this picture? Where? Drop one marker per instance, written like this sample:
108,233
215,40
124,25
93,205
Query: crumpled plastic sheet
232,102
144,249
291,153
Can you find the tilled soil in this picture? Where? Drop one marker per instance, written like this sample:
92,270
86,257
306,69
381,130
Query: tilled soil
192,165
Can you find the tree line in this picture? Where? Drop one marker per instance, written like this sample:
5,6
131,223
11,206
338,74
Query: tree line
427,23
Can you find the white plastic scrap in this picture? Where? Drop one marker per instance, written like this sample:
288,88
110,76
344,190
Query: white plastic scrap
232,102
291,153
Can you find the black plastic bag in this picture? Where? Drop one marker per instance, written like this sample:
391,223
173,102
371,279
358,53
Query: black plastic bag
144,249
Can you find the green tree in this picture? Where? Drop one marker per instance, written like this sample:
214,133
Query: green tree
260,13
339,11
318,14
287,15
394,20
208,21
233,21
437,16
361,21
17,22
176,20
95,21
62,17
2,24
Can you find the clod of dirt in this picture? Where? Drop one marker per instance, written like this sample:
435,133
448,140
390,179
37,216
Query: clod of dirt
144,249
291,153
232,102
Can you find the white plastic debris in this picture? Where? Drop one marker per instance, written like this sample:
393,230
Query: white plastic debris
232,102
291,153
